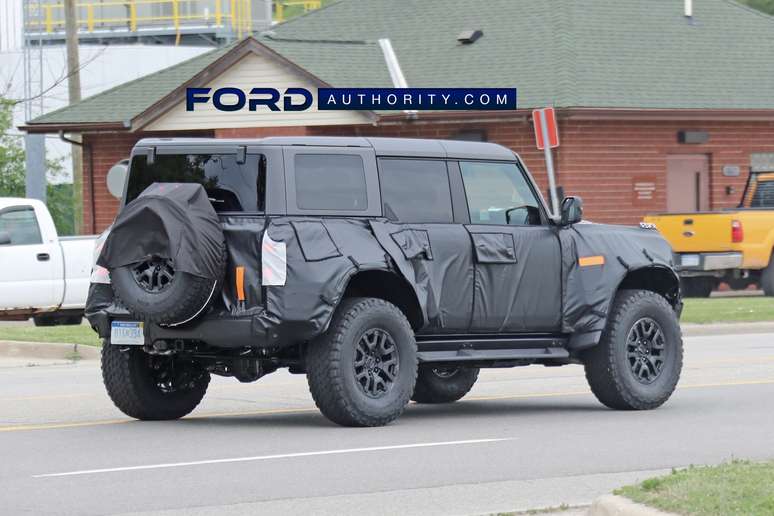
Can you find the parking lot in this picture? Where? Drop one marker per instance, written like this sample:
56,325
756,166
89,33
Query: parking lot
524,438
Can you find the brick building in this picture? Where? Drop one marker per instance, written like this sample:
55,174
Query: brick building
658,111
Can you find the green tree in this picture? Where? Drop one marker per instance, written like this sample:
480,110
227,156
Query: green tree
59,197
11,155
767,6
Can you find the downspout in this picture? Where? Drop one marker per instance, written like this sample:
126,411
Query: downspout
396,73
92,204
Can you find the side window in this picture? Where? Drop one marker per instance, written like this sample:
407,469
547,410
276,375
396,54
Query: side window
330,182
498,193
415,190
21,225
764,195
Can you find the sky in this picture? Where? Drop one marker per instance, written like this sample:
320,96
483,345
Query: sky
103,68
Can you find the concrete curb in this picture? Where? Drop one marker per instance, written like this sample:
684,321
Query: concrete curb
47,350
612,505
699,330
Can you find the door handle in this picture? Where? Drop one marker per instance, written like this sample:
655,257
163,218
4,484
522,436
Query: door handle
43,257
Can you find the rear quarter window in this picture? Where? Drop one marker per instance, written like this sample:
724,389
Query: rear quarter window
330,182
231,186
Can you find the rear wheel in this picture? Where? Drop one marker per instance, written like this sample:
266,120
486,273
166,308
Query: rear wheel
697,287
150,387
767,278
362,371
444,384
638,361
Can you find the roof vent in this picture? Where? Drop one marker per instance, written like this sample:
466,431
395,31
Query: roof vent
466,37
689,8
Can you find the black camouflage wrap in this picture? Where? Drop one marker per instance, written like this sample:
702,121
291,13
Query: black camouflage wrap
174,221
463,278
588,291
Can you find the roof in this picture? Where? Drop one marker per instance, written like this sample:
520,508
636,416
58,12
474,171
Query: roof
601,54
119,106
414,147
593,54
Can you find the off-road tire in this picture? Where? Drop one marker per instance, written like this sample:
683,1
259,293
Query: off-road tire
767,278
697,287
608,370
129,382
330,363
444,385
186,297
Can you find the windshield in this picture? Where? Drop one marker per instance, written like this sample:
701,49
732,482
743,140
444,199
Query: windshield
231,186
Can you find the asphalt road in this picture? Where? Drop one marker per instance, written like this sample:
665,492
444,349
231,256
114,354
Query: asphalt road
524,438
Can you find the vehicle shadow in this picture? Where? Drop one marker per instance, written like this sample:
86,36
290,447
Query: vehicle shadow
415,413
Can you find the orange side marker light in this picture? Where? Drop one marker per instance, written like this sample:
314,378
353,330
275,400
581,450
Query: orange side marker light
240,283
588,261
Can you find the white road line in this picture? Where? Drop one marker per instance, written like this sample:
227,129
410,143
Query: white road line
270,457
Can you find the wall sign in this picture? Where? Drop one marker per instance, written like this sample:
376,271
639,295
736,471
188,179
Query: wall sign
731,170
643,190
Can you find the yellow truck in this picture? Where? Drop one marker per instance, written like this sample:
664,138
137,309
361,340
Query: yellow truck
733,246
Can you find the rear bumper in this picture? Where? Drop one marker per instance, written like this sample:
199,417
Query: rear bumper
219,331
700,264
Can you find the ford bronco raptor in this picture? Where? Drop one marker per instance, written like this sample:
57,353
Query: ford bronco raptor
386,270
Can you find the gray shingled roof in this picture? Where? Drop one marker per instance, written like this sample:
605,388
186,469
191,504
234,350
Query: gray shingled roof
593,54
123,102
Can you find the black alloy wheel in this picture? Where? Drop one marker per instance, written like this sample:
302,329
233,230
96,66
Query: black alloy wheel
154,275
645,350
376,362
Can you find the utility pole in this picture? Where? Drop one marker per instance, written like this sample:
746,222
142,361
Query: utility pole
74,94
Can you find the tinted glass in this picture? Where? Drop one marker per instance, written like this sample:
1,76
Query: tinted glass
330,182
231,186
21,225
415,190
764,195
497,193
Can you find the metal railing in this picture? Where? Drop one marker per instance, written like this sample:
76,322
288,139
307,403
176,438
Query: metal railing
130,15
47,16
306,6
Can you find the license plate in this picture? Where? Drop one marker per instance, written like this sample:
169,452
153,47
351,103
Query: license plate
127,333
689,260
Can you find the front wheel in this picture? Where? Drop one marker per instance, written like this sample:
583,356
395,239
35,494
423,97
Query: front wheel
767,278
444,384
150,387
362,371
637,363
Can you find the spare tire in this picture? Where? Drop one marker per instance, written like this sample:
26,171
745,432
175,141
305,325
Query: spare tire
166,254
153,291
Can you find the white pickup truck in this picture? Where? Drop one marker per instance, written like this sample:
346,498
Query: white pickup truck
41,275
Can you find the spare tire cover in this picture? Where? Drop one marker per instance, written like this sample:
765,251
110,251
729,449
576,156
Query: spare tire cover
173,221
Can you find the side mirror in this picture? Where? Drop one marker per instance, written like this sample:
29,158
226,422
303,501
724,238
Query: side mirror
5,238
572,211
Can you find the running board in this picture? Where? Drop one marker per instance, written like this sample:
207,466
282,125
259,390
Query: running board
535,348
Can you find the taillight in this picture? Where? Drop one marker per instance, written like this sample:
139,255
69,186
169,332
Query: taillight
737,231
